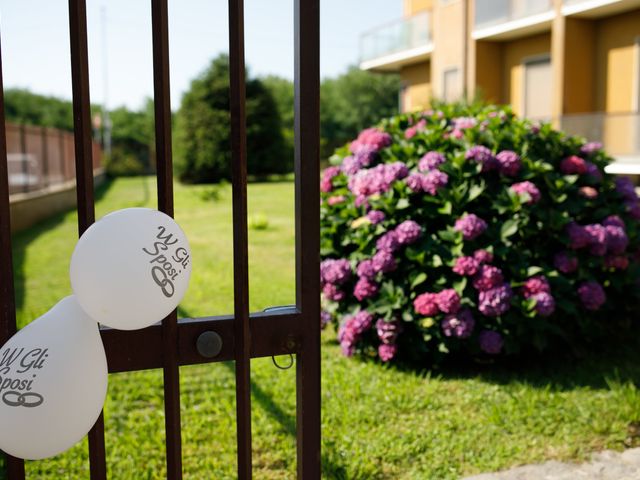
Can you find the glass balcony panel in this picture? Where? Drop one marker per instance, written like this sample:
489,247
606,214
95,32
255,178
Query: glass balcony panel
619,132
400,35
495,12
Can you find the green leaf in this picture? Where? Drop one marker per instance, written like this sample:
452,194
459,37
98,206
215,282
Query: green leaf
420,278
402,204
446,209
531,271
510,227
475,191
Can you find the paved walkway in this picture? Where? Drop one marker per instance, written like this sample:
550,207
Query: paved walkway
605,465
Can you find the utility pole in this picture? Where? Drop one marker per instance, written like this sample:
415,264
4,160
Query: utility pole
106,121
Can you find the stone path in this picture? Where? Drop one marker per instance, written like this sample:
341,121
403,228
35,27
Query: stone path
607,465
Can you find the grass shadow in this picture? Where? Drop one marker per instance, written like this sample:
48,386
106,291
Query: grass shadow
21,240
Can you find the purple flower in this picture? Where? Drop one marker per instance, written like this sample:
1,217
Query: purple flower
350,165
365,288
463,123
376,216
371,137
509,163
387,352
495,301
365,269
414,182
483,256
458,325
433,181
448,301
395,171
365,155
490,342
613,220
466,266
626,188
425,304
616,239
384,261
537,284
335,271
597,239
471,226
388,241
352,329
325,319
482,155
528,189
326,185
431,161
573,165
617,262
565,262
408,232
578,236
545,303
593,171
590,148
633,207
488,277
388,331
332,292
591,295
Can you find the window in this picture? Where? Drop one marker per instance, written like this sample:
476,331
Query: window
537,91
451,88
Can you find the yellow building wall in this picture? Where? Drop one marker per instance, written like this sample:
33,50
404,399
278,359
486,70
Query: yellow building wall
449,41
417,86
488,71
616,60
414,6
579,66
514,54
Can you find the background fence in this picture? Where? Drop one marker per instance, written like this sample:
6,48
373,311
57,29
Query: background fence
39,157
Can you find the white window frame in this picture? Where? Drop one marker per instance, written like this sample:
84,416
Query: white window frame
544,57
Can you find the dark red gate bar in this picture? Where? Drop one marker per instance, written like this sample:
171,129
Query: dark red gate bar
84,177
15,466
242,332
307,172
164,168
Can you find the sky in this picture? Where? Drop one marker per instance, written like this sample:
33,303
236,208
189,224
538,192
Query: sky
35,42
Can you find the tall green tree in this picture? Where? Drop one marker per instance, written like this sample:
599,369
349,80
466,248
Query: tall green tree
203,150
353,101
132,138
24,107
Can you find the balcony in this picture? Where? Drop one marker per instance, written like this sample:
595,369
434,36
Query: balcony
402,42
619,132
597,8
507,19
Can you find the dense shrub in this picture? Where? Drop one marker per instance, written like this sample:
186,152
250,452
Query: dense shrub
468,231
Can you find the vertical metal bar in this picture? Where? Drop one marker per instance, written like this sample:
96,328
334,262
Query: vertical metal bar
162,105
84,178
45,156
307,188
240,237
14,466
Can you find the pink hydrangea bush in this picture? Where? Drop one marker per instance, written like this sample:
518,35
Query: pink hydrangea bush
468,231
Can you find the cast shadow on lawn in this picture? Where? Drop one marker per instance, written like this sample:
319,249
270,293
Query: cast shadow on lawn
330,469
21,240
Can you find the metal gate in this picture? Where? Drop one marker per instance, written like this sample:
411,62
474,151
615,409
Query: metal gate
291,330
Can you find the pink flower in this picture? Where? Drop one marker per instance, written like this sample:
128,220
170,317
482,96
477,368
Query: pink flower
527,189
387,352
336,199
471,226
365,288
466,266
483,256
509,163
448,301
425,304
333,292
565,262
588,192
591,295
537,284
573,165
488,277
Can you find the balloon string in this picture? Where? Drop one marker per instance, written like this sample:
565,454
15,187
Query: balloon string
285,367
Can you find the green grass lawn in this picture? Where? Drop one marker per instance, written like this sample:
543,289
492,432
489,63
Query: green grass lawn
378,421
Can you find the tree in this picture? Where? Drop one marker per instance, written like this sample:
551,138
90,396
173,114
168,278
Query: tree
203,150
132,141
352,102
23,107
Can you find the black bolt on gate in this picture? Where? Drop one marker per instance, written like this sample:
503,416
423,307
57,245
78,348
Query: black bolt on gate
291,330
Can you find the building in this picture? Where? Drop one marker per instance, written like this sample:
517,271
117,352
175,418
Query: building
573,62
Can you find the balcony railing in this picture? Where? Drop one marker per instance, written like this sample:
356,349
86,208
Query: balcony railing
495,12
619,132
401,35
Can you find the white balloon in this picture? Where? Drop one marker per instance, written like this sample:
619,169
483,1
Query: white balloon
131,268
53,383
